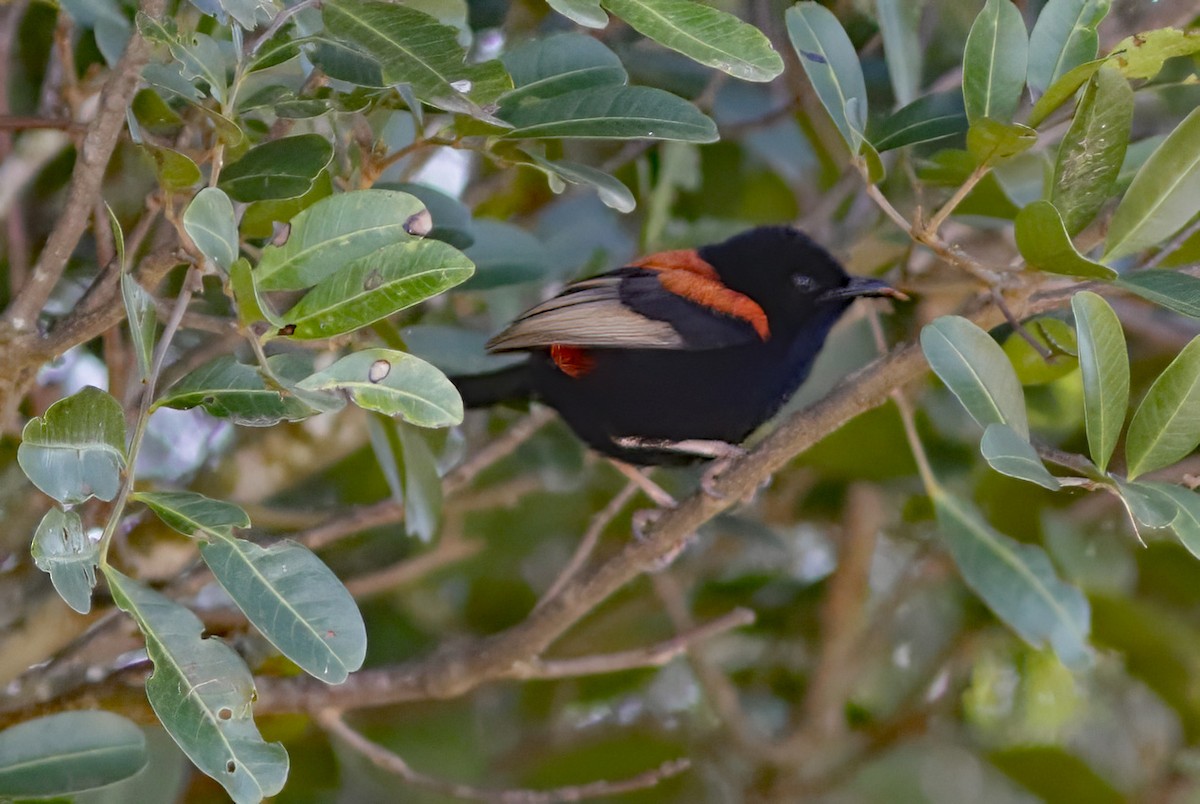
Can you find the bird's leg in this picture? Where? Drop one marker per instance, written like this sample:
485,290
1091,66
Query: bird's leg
655,492
699,447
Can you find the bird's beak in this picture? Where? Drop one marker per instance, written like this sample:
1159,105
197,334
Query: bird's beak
864,286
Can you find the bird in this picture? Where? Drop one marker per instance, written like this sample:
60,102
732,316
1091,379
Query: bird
678,356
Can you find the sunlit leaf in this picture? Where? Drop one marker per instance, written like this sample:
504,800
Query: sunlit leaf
1063,37
1142,54
1032,366
209,221
1062,89
1010,454
1166,426
1043,241
994,62
831,63
1164,196
1104,363
69,752
282,168
974,367
201,691
77,449
175,171
990,141
1175,291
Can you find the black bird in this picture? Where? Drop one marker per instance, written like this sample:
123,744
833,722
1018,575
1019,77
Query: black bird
679,355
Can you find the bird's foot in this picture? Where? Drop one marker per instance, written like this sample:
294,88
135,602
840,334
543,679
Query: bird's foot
643,519
708,480
698,447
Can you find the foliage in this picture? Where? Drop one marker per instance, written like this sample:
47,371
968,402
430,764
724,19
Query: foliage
271,230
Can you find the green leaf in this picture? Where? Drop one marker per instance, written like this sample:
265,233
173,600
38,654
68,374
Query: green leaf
587,13
899,23
831,63
1053,335
231,390
77,449
1186,523
288,594
395,384
69,752
1169,289
994,62
1147,504
209,221
990,141
1164,196
142,318
174,170
1166,426
1142,55
557,64
704,34
1091,153
927,119
1063,37
610,112
411,470
1104,363
1043,241
1010,454
62,549
452,222
1062,89
335,231
201,691
1017,581
975,369
612,192
197,56
505,254
414,48
376,286
251,306
282,168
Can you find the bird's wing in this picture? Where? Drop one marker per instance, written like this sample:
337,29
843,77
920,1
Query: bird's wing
636,308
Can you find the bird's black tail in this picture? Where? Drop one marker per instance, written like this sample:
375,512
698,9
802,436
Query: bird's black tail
509,384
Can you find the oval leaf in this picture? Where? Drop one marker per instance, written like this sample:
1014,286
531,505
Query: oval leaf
1063,37
831,63
1093,149
395,384
547,67
69,752
77,449
1104,363
927,119
1017,581
1142,55
704,34
1164,195
1166,426
1043,241
231,390
376,286
994,62
209,221
587,13
201,690
1169,289
899,24
1010,454
62,549
611,112
175,171
334,231
282,168
974,367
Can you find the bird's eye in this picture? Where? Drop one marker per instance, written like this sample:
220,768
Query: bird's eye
805,283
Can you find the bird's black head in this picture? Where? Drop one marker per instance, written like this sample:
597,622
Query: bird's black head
788,274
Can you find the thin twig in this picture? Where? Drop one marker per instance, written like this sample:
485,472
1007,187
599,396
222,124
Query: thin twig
1173,244
591,536
447,552
331,720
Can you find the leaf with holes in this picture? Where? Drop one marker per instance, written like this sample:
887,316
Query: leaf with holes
77,449
202,691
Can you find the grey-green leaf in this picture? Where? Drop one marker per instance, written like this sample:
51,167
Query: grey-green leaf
282,168
1164,195
1147,504
376,286
77,449
994,62
411,469
1186,523
587,13
1104,364
395,384
67,753
209,221
899,22
202,691
1092,150
975,368
334,231
142,318
831,63
1044,242
1166,426
610,112
1063,37
505,254
1170,289
702,33
928,118
1017,581
1010,454
231,390
288,594
543,68
62,549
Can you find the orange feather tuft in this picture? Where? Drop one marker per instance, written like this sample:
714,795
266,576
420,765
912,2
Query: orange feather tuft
571,360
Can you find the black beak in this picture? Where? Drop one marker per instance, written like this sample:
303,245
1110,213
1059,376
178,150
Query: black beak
864,286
